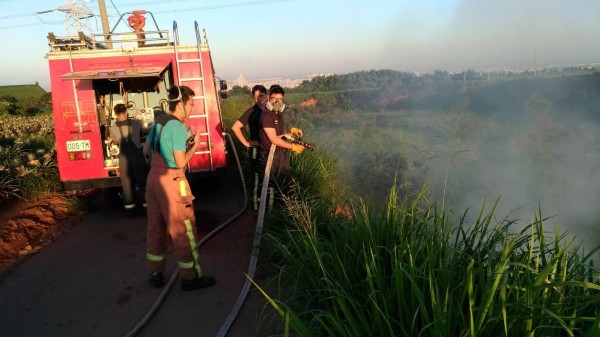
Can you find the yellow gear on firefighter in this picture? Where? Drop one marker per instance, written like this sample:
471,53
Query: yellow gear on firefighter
296,133
297,148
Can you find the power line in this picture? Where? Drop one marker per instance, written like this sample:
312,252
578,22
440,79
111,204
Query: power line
240,4
115,7
145,3
58,22
27,14
210,7
137,4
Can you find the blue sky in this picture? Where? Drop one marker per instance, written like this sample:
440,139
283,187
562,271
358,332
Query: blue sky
294,38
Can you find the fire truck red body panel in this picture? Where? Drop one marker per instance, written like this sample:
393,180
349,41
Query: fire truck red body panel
88,79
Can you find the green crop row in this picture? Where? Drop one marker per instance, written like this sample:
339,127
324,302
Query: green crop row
27,156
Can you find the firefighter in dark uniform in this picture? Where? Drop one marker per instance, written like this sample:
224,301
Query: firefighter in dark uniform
251,117
170,208
132,164
271,132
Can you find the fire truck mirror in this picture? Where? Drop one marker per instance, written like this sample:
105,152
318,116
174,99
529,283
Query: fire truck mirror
223,84
223,94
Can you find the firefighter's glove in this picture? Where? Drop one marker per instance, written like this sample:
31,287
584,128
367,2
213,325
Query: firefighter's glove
297,148
296,133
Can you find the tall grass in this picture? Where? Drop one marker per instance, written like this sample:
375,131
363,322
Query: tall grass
411,271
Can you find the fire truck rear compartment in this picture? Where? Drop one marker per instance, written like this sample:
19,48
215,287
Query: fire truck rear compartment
144,97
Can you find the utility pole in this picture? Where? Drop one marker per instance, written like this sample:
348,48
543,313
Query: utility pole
105,27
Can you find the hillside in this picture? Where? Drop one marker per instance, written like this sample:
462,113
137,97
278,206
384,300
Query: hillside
21,91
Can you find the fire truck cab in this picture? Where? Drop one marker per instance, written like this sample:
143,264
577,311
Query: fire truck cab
91,74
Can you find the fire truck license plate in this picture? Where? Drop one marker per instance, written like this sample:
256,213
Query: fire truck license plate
78,145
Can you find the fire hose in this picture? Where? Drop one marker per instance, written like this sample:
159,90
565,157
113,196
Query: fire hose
136,329
254,258
298,140
255,246
305,144
257,237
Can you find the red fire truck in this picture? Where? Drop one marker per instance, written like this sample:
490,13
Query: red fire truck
90,74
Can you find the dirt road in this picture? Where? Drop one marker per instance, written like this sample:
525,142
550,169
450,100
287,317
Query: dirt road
93,280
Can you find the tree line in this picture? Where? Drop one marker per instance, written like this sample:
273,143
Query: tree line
377,90
25,106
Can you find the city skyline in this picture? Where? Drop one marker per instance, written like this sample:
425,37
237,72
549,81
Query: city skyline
292,38
242,80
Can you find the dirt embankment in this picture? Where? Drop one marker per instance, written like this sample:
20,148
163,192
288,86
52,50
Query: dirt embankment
27,226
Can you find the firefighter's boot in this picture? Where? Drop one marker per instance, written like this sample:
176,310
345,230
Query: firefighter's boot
129,210
197,283
156,279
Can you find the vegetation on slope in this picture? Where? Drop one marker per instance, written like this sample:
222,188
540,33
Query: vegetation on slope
409,265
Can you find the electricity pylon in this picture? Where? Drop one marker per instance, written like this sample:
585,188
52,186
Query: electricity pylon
77,16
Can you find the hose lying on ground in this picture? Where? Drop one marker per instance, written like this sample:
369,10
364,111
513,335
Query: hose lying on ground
167,287
254,258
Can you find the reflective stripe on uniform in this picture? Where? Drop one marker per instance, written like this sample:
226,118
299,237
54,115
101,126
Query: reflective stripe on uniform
182,189
155,258
185,265
189,229
192,240
129,206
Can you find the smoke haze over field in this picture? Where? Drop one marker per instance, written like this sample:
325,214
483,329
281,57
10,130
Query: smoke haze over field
530,161
541,153
533,144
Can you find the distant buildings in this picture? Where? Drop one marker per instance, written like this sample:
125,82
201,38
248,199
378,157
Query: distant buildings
456,74
267,82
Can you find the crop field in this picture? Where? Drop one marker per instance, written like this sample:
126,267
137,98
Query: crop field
27,156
